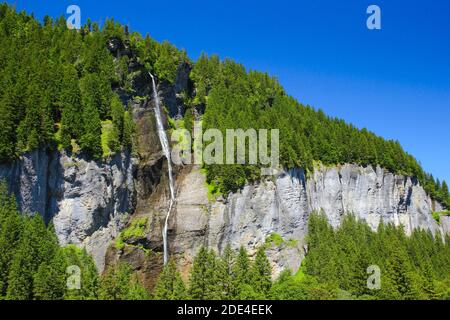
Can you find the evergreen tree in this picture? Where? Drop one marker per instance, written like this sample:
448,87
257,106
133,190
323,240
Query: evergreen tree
116,135
89,282
91,138
128,131
118,283
7,129
225,275
241,271
71,119
49,281
261,272
37,245
202,280
445,194
170,286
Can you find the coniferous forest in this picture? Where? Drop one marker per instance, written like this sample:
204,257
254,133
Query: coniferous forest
59,89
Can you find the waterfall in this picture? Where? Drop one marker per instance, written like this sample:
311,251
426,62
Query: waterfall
166,149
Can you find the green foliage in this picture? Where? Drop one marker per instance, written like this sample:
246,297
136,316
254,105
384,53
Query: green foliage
274,239
229,276
109,139
49,282
71,120
129,131
170,286
437,215
119,283
92,104
135,230
412,267
52,75
34,266
117,114
234,98
167,61
202,279
262,273
241,272
90,280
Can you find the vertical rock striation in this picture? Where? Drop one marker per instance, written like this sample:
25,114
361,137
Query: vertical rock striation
282,207
87,201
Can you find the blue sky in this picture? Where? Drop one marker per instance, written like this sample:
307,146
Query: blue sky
394,81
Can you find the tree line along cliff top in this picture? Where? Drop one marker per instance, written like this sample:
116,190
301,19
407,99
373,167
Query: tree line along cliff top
61,89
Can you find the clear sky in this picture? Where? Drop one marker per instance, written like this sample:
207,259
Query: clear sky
395,81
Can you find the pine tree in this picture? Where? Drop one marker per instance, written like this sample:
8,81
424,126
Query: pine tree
71,118
322,250
91,138
202,280
116,135
241,271
429,286
80,260
7,129
170,286
118,284
49,281
37,245
402,282
36,129
445,194
11,225
225,275
179,289
136,290
128,131
261,273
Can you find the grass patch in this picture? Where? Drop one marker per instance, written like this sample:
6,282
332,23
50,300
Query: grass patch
292,243
300,274
135,230
274,239
176,124
107,127
437,215
213,192
57,137
119,243
277,240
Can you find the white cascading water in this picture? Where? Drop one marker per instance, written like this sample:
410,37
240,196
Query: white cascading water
166,149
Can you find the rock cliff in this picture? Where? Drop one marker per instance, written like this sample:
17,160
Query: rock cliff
277,208
282,207
90,202
87,201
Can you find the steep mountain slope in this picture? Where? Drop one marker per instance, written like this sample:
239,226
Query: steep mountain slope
92,191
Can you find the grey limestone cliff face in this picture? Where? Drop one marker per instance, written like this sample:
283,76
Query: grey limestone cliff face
93,201
87,201
283,205
27,179
90,202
